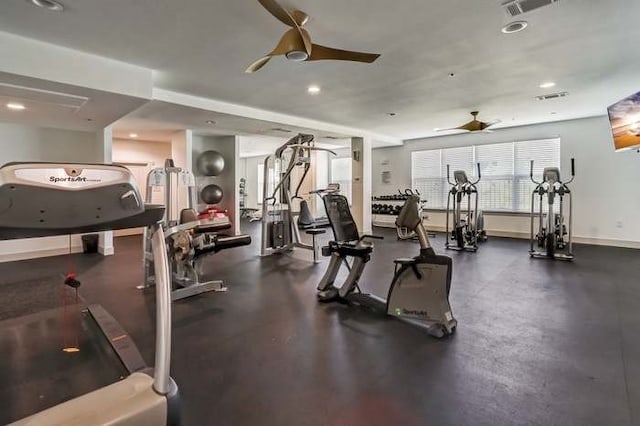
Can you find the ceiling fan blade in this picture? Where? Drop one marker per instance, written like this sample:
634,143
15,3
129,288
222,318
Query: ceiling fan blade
279,12
300,17
492,123
258,64
319,53
293,19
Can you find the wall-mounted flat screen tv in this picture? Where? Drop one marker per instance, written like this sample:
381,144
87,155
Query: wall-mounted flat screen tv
625,122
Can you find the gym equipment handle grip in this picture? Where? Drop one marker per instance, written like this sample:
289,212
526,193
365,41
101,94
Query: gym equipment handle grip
573,167
531,170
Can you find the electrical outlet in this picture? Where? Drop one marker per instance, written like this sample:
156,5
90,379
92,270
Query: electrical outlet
619,224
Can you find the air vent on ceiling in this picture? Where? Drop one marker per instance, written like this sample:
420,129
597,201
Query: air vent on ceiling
280,129
552,96
518,7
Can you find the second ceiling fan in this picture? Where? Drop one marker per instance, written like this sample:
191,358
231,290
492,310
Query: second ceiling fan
296,43
474,125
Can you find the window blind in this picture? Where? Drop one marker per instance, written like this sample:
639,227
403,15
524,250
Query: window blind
505,183
341,174
427,176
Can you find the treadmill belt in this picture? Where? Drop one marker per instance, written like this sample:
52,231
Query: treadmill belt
37,374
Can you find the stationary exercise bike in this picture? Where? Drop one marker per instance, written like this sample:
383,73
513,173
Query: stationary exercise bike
468,224
550,238
419,291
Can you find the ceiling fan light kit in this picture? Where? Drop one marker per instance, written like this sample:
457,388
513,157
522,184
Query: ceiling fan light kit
296,44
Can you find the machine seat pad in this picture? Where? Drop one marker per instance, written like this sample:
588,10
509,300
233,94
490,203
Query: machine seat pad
223,242
315,231
352,248
211,227
404,261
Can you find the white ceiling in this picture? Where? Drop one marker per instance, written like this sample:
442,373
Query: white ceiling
202,47
50,104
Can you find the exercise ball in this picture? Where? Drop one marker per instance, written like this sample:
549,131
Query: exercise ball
210,163
211,194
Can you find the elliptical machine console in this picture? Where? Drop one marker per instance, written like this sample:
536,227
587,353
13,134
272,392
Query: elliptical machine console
552,230
468,224
419,291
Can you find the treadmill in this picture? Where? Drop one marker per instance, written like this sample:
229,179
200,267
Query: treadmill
107,380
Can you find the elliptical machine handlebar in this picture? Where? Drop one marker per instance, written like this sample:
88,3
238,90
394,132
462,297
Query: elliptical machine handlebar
531,174
573,171
479,175
449,176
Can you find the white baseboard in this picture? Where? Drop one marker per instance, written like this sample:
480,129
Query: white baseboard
34,254
607,242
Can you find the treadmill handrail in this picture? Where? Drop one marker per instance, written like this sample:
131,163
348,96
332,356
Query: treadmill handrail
162,379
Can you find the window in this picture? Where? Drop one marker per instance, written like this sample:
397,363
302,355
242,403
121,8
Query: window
260,183
271,178
341,174
505,183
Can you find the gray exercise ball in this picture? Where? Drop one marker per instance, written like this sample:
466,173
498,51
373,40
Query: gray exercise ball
211,194
210,163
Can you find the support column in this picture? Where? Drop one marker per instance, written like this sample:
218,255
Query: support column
104,139
182,155
361,157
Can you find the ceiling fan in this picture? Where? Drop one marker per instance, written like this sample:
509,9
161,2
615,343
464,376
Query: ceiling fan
474,125
296,43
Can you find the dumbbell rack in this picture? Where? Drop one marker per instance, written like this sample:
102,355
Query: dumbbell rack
387,219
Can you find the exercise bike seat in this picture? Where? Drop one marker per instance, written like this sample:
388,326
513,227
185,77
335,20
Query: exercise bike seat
351,248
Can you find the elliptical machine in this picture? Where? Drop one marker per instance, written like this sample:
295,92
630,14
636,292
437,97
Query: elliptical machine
419,291
468,226
552,230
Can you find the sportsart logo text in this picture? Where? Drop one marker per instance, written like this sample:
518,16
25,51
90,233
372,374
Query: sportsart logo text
55,179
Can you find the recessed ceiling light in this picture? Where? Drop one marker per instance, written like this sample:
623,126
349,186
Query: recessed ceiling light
133,135
391,114
48,4
452,74
314,90
210,122
514,27
15,106
553,113
547,85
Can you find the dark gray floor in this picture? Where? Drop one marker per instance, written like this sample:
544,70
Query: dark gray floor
538,342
